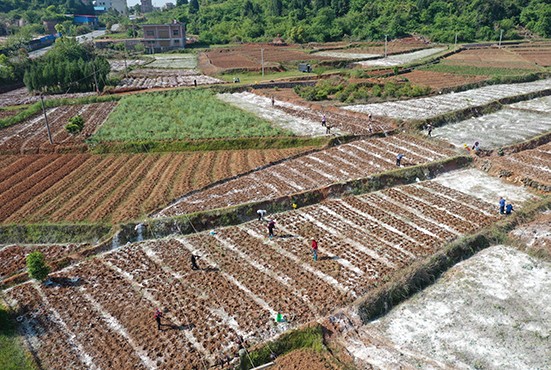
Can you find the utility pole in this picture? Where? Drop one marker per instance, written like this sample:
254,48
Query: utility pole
386,42
262,60
46,119
125,65
95,77
500,37
455,45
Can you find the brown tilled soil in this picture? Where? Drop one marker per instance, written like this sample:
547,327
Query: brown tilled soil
496,58
439,80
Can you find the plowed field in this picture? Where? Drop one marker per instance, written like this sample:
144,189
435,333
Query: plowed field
83,187
342,163
101,311
496,58
529,167
439,80
31,136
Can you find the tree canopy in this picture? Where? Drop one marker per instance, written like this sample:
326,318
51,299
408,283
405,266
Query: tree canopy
222,21
67,67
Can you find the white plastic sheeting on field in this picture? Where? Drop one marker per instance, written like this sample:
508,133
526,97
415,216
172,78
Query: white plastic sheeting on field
440,104
514,123
345,55
261,106
400,59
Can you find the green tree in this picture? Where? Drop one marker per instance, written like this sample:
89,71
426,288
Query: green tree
37,267
193,6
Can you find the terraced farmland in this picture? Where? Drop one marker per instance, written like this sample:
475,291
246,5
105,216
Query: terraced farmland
440,104
101,311
400,59
31,136
342,163
84,187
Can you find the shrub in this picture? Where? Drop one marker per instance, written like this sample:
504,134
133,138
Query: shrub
75,125
37,267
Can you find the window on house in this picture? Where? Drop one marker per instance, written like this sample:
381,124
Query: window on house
150,33
175,32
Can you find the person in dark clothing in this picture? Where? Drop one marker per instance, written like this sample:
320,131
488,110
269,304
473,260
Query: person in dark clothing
323,120
328,130
195,83
399,159
509,209
271,226
429,129
194,259
158,315
273,101
315,249
502,205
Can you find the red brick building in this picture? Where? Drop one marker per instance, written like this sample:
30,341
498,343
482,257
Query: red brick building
163,37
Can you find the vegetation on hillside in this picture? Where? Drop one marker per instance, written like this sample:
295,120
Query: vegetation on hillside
329,20
187,114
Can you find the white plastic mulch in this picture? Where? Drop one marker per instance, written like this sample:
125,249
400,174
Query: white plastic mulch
514,123
492,311
433,106
261,106
345,55
400,59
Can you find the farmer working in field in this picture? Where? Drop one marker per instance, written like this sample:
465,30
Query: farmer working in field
158,314
323,120
315,249
399,159
501,205
509,209
261,213
271,226
193,261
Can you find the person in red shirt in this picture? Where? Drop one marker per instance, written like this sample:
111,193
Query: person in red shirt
271,226
315,249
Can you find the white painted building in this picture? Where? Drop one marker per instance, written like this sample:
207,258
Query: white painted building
118,5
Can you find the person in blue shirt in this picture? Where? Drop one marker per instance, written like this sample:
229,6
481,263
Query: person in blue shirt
399,159
509,209
501,205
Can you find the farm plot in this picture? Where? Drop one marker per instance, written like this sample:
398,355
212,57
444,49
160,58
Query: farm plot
139,83
514,123
530,167
496,58
537,54
174,61
12,257
121,65
536,235
342,163
31,136
302,120
343,54
400,59
85,187
102,308
433,106
181,115
490,311
440,80
22,96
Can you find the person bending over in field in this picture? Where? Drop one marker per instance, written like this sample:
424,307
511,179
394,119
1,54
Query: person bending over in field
193,261
399,159
271,227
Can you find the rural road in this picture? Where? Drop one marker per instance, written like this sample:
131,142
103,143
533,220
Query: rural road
81,39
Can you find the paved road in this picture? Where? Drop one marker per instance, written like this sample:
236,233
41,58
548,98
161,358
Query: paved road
81,39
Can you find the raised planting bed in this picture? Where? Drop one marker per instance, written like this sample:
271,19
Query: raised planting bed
433,106
490,57
529,167
30,136
342,163
101,311
84,187
440,80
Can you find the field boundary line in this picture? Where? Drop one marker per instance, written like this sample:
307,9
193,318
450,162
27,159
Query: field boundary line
114,324
71,337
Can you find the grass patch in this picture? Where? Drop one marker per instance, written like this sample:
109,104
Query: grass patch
12,354
149,146
475,71
310,337
52,233
181,115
